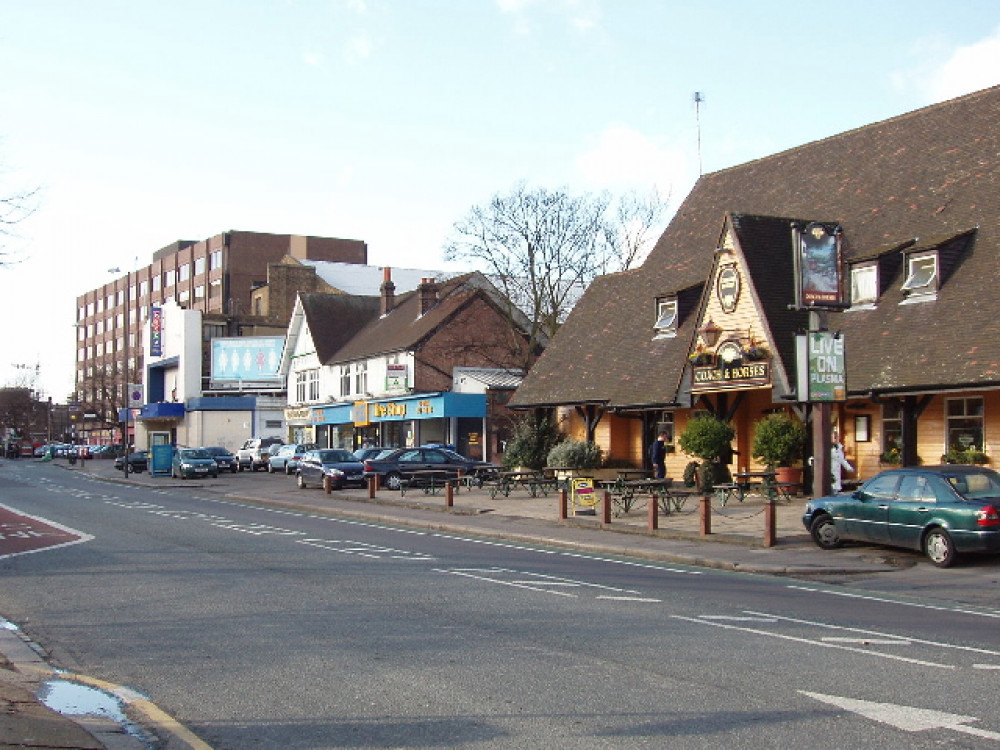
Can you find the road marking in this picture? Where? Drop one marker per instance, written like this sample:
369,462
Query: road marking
812,642
24,534
733,618
907,718
878,634
941,608
867,641
543,583
986,666
361,549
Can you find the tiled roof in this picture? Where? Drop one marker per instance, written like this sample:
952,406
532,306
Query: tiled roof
336,318
933,173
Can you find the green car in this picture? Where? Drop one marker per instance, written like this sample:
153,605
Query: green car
942,511
193,462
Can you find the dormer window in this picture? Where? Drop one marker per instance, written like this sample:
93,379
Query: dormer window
921,279
864,285
666,318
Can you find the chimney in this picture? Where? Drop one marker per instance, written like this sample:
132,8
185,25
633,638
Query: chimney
388,290
428,295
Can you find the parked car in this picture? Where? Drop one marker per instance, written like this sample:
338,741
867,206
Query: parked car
222,456
254,453
286,458
942,511
369,452
340,465
392,465
138,461
193,462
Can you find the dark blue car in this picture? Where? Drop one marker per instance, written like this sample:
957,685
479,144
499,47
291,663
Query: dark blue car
339,465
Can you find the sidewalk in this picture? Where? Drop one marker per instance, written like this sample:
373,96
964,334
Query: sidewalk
735,544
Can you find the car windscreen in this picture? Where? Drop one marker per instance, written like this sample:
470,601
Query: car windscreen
194,453
336,456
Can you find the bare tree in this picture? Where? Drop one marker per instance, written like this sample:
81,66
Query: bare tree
14,209
542,248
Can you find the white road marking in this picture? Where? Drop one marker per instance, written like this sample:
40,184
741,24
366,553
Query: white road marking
812,642
907,718
733,618
867,641
941,608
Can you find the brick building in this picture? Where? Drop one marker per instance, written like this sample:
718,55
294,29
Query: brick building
216,276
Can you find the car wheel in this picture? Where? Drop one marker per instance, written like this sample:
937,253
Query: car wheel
301,482
824,532
392,480
232,469
939,547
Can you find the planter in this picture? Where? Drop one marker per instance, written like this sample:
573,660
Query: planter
790,474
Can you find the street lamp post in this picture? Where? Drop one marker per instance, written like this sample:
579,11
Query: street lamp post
125,389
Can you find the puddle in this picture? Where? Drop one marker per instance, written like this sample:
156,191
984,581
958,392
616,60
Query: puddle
73,699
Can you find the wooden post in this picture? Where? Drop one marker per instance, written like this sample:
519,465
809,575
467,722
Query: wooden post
449,493
770,523
606,508
562,505
654,517
327,484
372,484
705,515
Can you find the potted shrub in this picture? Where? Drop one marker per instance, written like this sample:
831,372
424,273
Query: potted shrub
576,455
778,441
709,439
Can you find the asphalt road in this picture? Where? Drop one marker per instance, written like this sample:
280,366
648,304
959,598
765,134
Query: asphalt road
278,629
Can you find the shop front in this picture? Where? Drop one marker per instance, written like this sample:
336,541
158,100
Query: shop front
454,419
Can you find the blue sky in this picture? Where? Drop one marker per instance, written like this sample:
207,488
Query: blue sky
145,122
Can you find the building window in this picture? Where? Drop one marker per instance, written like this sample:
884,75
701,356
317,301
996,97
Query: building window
156,283
199,292
964,418
300,387
864,285
361,377
199,266
215,260
666,318
168,279
184,272
892,432
345,380
921,279
312,381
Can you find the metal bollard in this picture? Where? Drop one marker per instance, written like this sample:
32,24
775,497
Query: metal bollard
705,515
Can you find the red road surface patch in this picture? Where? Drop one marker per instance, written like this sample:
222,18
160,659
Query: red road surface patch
21,534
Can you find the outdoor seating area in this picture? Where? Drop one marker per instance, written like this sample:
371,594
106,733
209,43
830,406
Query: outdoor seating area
754,483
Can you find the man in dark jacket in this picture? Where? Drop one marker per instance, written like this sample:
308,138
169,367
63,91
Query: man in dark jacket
658,455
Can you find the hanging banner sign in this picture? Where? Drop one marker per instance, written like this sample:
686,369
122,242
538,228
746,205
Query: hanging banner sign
817,265
156,332
822,372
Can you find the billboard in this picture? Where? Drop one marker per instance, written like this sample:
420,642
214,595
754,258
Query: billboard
249,359
817,265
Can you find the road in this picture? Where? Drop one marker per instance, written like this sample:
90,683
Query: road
273,629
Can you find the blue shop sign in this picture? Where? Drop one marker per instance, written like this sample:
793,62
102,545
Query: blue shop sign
423,406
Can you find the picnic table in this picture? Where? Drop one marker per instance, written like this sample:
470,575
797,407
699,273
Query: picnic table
431,481
623,493
753,482
506,482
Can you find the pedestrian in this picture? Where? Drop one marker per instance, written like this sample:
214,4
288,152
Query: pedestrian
838,462
658,456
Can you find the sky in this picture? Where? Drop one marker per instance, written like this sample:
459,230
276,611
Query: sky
140,123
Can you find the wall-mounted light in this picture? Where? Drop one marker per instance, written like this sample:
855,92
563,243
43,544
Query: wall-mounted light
710,333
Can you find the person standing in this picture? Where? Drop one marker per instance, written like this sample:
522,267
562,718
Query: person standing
658,455
838,462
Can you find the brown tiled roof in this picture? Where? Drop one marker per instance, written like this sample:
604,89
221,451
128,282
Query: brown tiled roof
334,319
403,327
932,173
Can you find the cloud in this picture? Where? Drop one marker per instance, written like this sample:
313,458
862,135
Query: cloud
623,158
582,15
966,69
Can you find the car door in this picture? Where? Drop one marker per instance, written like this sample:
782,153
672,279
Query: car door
410,461
867,518
914,503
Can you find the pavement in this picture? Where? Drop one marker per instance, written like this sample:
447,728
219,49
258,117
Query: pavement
736,542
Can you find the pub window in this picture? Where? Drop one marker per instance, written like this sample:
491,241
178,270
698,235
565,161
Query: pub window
666,318
892,431
964,418
864,285
345,380
921,279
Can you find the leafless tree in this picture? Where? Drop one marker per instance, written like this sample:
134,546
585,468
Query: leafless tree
542,247
14,208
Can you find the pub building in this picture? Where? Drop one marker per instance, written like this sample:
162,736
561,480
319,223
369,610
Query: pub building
851,282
